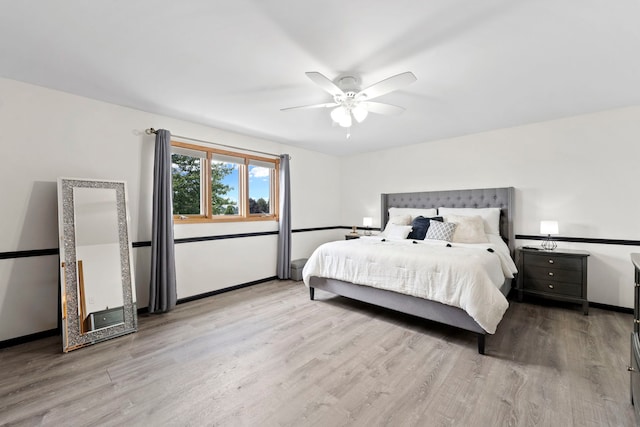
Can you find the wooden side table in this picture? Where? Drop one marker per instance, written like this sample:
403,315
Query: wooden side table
560,274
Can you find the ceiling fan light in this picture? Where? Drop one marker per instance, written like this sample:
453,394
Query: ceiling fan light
338,114
351,103
342,116
360,113
346,122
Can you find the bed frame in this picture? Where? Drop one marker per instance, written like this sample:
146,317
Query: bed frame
426,309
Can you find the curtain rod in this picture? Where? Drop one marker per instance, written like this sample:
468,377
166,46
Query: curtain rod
151,131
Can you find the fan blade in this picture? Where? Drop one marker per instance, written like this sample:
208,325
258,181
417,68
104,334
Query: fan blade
307,107
324,83
388,85
380,108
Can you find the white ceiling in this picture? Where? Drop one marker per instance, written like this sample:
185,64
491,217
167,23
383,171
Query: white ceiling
233,64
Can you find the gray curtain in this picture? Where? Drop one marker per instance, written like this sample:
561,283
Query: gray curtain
284,234
162,291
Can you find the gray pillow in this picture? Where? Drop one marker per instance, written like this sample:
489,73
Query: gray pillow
441,230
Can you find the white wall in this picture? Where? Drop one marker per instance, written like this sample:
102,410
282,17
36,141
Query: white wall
46,134
580,171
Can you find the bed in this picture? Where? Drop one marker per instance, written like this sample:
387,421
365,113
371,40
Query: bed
502,198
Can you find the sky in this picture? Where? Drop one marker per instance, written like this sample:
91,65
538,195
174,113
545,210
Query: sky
258,183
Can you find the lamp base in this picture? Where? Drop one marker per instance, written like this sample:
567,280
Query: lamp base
549,245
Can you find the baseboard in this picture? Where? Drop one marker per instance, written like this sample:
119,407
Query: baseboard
628,310
28,338
144,310
223,290
541,300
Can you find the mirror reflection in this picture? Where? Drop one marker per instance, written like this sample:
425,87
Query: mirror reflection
98,258
97,288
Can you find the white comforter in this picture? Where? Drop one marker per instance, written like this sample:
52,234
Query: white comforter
467,276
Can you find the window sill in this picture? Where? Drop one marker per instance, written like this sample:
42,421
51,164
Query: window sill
204,220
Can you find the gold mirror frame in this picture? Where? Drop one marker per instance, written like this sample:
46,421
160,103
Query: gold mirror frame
75,333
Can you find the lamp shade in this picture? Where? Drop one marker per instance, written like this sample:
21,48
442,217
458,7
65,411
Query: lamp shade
367,221
342,116
549,227
359,113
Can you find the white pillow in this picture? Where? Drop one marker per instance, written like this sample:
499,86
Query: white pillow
490,216
396,220
400,219
470,229
394,231
427,213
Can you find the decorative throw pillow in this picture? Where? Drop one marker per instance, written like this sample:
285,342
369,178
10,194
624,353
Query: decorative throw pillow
420,226
441,231
394,231
470,229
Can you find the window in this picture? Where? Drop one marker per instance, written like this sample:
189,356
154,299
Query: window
262,178
187,181
214,185
226,184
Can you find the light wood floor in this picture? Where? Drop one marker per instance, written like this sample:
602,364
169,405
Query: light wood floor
268,356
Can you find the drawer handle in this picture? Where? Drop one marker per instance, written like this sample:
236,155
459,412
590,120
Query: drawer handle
630,369
550,286
550,261
551,273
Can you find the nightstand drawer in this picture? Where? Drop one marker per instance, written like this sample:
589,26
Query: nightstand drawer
550,260
555,274
104,318
553,287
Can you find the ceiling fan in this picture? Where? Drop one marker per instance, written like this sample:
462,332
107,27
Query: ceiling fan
350,102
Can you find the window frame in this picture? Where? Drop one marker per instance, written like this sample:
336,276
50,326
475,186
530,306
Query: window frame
243,191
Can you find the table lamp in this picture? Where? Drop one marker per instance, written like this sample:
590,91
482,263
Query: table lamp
367,222
549,228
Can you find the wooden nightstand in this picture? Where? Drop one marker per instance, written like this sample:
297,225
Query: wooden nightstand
560,274
351,236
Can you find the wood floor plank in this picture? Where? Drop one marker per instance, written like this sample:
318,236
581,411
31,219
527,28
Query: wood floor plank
266,355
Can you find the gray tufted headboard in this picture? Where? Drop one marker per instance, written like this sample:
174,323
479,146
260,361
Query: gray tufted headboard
478,198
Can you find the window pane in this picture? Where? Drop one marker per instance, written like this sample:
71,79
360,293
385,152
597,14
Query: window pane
225,185
186,178
260,179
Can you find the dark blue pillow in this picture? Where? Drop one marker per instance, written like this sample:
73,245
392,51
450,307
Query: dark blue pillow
420,225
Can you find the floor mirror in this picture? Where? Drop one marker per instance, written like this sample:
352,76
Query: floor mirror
97,288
